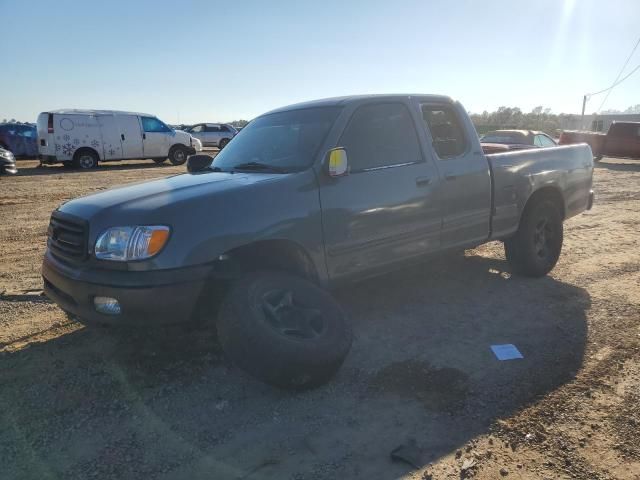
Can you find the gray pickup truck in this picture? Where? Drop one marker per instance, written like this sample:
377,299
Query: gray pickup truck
303,198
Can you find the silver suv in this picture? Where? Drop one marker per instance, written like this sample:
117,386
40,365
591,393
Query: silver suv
213,134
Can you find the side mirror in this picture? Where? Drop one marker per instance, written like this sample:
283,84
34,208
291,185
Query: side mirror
338,162
198,163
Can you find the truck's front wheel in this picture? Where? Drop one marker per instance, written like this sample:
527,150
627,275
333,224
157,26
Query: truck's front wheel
284,330
178,155
535,248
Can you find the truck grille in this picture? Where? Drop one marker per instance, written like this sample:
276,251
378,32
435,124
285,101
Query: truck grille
67,236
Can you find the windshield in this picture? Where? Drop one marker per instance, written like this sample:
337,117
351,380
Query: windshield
283,141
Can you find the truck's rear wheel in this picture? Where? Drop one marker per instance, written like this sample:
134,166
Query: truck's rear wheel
284,330
85,159
535,248
177,155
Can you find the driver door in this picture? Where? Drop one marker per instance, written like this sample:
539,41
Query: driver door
386,209
155,137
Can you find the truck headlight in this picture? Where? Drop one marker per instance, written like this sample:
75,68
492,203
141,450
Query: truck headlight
123,244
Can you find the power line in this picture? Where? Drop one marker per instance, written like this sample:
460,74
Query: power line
616,82
637,67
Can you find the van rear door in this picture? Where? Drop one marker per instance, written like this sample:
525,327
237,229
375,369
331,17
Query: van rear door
46,139
130,136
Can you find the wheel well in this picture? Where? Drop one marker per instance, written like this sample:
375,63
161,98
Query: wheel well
85,149
552,194
283,255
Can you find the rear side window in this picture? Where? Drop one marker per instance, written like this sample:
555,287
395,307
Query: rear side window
446,130
150,124
212,128
380,135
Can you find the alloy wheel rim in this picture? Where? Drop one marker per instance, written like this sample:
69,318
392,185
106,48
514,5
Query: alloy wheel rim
86,161
543,236
288,317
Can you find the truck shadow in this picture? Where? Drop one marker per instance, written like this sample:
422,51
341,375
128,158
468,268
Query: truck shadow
35,170
166,405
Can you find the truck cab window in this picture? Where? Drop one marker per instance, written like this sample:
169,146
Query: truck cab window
448,136
150,124
380,135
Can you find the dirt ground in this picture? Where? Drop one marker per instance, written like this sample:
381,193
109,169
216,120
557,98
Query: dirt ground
85,403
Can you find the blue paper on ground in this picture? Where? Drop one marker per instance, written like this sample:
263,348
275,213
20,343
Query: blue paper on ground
506,352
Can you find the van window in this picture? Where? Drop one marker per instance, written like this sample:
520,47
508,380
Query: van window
380,135
446,130
150,124
212,128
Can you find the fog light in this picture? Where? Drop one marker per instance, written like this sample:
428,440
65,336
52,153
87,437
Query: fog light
107,305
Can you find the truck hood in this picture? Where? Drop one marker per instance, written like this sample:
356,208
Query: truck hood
146,198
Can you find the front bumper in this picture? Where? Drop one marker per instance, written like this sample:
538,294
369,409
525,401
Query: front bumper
146,298
8,169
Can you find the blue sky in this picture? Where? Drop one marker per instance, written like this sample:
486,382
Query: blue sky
219,61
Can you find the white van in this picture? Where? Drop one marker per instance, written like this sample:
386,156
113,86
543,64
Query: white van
81,138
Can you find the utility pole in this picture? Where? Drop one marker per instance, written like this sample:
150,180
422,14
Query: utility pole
584,104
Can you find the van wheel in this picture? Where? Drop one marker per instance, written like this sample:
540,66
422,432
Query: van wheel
283,330
223,143
535,248
177,155
159,161
85,160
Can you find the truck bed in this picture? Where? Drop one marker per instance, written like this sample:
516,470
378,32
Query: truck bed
565,170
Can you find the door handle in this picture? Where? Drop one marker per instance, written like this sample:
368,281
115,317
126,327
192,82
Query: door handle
423,181
450,177
144,136
122,136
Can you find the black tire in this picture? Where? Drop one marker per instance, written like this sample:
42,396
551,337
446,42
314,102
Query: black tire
284,351
535,248
178,155
68,165
223,143
85,159
159,161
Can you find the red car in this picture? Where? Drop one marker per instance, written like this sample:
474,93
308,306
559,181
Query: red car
499,141
622,140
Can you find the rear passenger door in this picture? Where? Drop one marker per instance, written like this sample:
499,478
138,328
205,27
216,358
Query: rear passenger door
385,209
130,136
466,182
212,134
